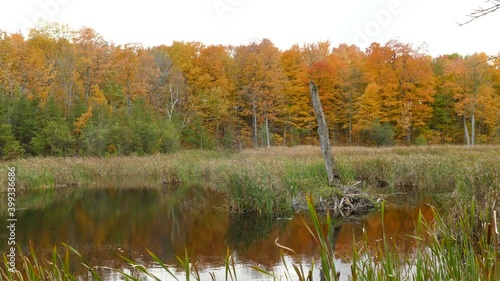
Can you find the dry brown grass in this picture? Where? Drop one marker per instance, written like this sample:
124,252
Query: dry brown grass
431,169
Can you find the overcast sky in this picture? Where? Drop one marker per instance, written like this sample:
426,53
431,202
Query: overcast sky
285,23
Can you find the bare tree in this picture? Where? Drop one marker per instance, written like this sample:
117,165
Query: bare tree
326,148
480,12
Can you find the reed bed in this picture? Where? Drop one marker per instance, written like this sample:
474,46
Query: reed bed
269,180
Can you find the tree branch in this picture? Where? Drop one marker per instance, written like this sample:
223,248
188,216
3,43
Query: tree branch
491,59
480,12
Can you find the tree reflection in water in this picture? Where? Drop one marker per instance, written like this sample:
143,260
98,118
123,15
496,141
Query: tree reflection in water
104,222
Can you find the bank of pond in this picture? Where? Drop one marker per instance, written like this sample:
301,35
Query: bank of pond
255,215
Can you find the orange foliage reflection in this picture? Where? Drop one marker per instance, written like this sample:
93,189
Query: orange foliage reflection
103,223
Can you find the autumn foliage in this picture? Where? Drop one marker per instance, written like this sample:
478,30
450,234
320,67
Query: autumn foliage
71,92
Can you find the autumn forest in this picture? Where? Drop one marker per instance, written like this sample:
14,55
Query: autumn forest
70,92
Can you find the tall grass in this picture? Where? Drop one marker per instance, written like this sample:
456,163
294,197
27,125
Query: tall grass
268,180
401,168
439,255
33,269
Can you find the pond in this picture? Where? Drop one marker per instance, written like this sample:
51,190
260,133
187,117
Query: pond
104,223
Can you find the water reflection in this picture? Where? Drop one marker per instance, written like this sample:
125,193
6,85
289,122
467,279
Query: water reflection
102,223
246,229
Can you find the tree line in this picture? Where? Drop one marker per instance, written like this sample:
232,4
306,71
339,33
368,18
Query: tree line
71,92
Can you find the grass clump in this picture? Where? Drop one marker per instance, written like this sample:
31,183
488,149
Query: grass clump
257,190
33,269
441,253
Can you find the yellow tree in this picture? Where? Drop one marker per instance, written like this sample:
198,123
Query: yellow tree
183,56
207,92
261,81
471,80
55,42
378,97
92,61
11,70
495,114
214,90
315,52
169,88
326,75
369,108
298,113
406,82
352,83
134,71
23,68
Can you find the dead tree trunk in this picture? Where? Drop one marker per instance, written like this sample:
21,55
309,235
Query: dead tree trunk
324,140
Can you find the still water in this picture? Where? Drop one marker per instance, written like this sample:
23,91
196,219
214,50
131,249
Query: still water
104,223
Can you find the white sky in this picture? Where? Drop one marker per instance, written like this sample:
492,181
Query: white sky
357,22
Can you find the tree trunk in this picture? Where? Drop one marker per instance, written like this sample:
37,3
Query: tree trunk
350,130
254,121
284,133
326,149
268,139
70,99
174,98
350,118
201,141
129,97
466,132
473,129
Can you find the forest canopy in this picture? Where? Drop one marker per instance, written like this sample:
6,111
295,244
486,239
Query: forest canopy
72,92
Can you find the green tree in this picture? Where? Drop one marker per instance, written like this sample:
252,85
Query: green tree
140,131
54,139
24,119
10,148
381,134
53,133
445,123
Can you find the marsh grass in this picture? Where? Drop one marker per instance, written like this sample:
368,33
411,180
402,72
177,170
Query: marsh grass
33,269
268,180
439,254
434,167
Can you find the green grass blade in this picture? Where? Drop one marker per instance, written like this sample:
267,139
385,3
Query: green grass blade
163,265
185,264
299,272
256,268
139,267
85,263
287,272
229,263
233,266
128,276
